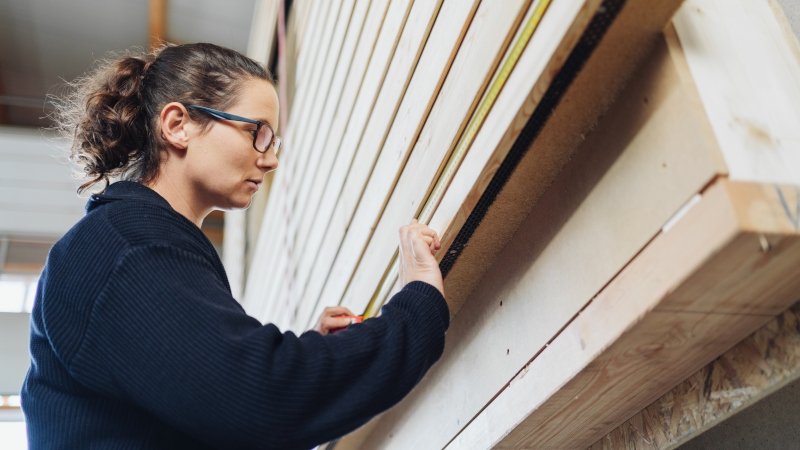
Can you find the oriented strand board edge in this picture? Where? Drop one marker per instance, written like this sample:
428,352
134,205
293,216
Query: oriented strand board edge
756,367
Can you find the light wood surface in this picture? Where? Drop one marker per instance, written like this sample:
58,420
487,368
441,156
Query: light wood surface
420,140
748,73
361,145
691,294
320,246
625,181
756,367
330,136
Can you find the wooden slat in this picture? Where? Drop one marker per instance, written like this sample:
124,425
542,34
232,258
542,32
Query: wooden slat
309,39
334,121
395,143
488,35
755,368
368,123
157,23
642,162
322,153
748,73
274,249
303,161
694,292
262,30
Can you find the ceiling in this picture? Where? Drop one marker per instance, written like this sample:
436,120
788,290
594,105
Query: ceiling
43,42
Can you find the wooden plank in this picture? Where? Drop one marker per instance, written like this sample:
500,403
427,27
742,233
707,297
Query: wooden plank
627,41
277,249
262,30
375,113
330,137
748,74
157,23
690,295
304,161
321,118
420,160
385,149
309,38
758,366
391,34
626,180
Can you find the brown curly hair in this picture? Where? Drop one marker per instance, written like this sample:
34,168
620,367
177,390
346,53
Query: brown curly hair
111,115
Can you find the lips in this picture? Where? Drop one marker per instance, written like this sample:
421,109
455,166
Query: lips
254,183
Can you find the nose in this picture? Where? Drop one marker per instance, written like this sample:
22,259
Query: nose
267,161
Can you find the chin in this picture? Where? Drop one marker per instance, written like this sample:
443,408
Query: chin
238,201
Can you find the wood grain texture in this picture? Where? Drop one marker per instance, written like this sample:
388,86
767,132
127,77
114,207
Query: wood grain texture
638,337
627,42
364,145
756,367
408,168
641,163
748,74
322,246
330,140
336,58
276,249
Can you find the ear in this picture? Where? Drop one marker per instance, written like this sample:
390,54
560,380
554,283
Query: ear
174,121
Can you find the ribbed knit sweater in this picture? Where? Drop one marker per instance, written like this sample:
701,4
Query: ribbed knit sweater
137,343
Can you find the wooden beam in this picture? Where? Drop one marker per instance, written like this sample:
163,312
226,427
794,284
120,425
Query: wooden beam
724,270
606,204
758,366
747,69
157,23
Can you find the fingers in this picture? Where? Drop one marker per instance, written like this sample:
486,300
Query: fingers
333,317
415,231
332,311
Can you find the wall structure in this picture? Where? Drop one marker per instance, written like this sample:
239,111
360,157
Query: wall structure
622,214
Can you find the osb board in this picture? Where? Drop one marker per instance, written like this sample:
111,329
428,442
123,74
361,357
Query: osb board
756,367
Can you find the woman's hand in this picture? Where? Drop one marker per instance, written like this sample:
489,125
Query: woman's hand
332,318
418,243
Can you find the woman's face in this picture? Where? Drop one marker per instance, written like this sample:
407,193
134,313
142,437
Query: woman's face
223,167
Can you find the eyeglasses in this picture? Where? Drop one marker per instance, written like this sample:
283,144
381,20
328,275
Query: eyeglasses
263,136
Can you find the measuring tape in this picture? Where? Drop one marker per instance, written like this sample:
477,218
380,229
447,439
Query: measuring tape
465,142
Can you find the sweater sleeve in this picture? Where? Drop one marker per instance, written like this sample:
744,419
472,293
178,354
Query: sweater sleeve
166,335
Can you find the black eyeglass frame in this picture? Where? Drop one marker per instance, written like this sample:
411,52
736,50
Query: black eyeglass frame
276,140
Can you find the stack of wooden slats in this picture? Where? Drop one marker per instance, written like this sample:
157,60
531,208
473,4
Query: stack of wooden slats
629,203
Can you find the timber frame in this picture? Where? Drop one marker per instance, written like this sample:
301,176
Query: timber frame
618,223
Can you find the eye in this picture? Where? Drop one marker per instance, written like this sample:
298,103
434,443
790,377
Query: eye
252,133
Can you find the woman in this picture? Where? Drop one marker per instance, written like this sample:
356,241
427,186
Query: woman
136,341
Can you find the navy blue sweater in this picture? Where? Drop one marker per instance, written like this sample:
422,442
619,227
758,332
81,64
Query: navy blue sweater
136,342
